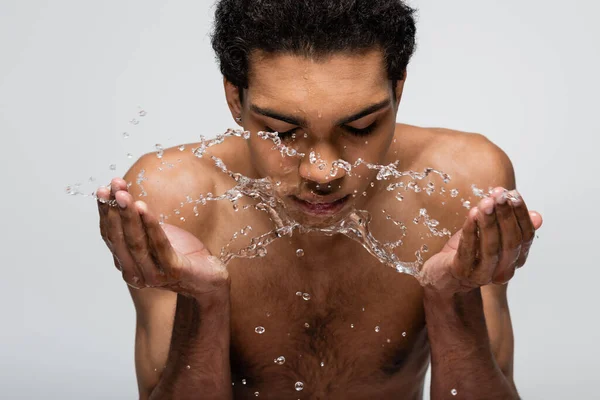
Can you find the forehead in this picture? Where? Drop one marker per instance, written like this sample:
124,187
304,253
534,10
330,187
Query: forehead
340,79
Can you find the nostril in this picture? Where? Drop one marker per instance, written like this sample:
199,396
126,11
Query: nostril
323,189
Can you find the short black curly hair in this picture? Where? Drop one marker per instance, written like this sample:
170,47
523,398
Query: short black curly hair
313,28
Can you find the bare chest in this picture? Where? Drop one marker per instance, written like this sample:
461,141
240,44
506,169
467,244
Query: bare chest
333,323
330,330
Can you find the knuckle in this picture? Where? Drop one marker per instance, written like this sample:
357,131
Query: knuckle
135,244
491,253
143,257
489,221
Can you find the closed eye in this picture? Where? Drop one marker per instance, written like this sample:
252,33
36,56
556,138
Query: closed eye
282,135
361,132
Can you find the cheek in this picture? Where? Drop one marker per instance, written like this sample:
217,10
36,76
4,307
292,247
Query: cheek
270,163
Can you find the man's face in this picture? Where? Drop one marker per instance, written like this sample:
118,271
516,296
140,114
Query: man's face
341,107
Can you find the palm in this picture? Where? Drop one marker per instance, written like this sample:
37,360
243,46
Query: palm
435,268
183,242
197,271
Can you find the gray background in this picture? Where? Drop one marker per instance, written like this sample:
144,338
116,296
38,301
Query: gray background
72,74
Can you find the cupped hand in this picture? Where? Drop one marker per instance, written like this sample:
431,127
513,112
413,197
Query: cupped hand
494,241
150,254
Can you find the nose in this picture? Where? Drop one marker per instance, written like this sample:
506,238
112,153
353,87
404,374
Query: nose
318,166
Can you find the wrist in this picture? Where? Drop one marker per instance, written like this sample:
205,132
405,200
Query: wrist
218,299
432,296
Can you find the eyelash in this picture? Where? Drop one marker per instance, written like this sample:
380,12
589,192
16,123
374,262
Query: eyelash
282,135
353,131
361,132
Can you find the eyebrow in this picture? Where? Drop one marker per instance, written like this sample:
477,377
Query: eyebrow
267,112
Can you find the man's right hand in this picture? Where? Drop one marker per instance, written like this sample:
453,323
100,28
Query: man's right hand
153,255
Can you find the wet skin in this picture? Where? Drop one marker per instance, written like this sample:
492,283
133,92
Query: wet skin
351,292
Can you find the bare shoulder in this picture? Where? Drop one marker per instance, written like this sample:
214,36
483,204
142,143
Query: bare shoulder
168,183
469,158
173,183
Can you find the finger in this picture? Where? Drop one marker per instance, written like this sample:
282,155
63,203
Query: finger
525,223
162,252
489,239
137,240
103,196
510,237
468,247
116,242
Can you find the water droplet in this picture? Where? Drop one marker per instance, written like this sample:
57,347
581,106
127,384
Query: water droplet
243,381
142,113
399,197
404,334
299,252
259,329
188,367
134,122
363,309
159,150
306,325
352,326
279,360
256,394
389,340
377,329
322,364
125,135
454,193
112,167
306,296
299,386
299,294
182,147
268,314
454,392
467,204
129,155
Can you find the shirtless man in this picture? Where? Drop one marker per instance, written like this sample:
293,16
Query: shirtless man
335,71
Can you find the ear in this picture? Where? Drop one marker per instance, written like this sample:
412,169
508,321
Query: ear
232,95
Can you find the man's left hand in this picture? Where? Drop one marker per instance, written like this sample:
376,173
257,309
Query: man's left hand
495,240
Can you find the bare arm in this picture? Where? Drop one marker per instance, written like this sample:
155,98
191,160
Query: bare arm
499,328
461,355
198,364
156,307
468,320
155,310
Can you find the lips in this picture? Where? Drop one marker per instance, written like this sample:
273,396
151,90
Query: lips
321,207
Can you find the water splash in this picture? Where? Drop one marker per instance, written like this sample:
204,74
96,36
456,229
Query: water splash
266,196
